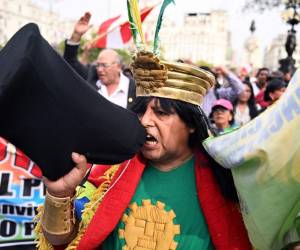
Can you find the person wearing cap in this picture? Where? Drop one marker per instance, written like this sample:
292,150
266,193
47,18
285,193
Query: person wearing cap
106,75
222,116
149,200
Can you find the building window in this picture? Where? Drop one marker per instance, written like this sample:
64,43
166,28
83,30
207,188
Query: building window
20,8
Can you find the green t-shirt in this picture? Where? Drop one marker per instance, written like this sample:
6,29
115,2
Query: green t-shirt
164,212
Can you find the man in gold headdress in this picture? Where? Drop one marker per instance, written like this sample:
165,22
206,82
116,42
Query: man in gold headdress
170,196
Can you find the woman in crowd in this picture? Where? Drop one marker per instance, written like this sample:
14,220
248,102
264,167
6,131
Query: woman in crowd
222,116
245,106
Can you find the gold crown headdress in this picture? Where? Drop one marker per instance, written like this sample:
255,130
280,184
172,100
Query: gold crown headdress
153,77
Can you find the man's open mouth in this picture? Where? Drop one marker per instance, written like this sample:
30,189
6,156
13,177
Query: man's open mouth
150,140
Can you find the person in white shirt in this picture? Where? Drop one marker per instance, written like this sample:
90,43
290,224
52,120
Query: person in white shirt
112,83
106,75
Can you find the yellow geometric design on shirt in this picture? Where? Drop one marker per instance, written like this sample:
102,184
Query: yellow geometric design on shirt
149,227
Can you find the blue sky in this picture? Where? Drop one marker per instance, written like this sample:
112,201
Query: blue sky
268,24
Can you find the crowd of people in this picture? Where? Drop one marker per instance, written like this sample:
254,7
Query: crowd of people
249,97
232,102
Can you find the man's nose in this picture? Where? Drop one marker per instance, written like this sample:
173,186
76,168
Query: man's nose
147,118
100,69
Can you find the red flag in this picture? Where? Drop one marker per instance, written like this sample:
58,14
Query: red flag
118,36
101,43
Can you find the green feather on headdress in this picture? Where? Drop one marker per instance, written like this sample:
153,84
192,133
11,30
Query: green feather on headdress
136,24
158,24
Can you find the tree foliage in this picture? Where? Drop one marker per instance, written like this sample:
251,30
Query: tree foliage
261,5
202,63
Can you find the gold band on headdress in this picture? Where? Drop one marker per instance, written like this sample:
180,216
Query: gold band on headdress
171,80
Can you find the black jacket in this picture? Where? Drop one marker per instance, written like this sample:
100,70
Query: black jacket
89,73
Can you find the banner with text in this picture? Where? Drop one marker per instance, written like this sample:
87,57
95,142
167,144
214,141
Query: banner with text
264,156
21,192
